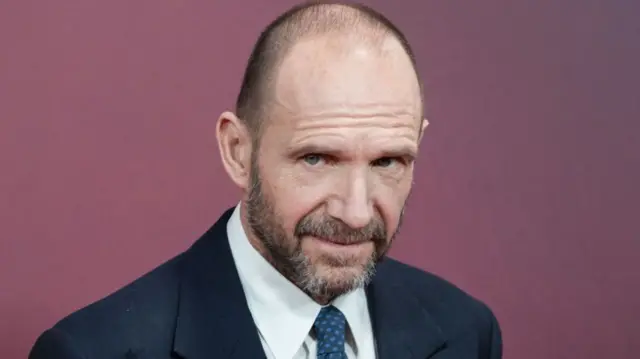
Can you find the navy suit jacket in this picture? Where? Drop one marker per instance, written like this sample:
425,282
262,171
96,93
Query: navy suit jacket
193,307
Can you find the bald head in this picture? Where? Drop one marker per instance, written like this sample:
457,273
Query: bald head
340,27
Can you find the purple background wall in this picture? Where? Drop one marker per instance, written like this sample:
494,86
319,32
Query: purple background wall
527,190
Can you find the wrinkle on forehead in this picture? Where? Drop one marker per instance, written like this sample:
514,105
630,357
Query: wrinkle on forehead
349,116
349,129
382,125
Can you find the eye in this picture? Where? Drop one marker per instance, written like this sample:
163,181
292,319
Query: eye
312,159
385,162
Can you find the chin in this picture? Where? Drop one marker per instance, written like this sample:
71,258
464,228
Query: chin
330,274
339,280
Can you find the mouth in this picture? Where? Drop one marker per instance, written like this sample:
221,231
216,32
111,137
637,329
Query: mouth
339,243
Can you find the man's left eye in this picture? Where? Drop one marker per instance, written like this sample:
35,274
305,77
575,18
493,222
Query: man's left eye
385,162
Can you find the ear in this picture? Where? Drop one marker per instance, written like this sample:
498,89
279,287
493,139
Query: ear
424,125
234,143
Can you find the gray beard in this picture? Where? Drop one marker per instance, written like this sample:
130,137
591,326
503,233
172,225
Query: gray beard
285,252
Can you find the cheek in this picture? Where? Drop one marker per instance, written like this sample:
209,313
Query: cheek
294,199
390,199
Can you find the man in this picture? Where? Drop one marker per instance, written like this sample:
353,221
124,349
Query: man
323,143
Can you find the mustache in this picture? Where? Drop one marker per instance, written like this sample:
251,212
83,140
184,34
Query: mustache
337,231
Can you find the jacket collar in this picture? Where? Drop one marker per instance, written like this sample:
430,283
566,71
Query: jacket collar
403,327
214,320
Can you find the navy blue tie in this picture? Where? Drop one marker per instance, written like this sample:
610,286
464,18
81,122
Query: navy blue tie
330,328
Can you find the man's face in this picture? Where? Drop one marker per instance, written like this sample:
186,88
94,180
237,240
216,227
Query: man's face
334,165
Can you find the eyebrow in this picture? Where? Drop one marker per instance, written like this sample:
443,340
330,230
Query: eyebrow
409,152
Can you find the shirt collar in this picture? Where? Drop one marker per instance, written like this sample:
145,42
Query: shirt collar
273,300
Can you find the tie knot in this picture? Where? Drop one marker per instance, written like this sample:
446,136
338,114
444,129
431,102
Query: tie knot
330,330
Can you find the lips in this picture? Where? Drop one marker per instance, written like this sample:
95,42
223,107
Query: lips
339,242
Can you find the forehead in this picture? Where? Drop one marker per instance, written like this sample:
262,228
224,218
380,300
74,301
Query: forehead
325,75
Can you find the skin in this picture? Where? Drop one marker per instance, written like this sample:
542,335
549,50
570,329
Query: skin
325,191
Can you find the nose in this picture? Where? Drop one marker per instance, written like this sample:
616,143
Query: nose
352,203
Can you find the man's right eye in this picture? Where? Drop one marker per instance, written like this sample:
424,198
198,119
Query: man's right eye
312,159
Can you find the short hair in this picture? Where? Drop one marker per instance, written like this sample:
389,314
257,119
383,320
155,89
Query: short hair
303,20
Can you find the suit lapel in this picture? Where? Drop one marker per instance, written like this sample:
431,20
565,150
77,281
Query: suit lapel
402,327
213,318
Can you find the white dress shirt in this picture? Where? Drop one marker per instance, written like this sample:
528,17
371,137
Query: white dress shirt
284,314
